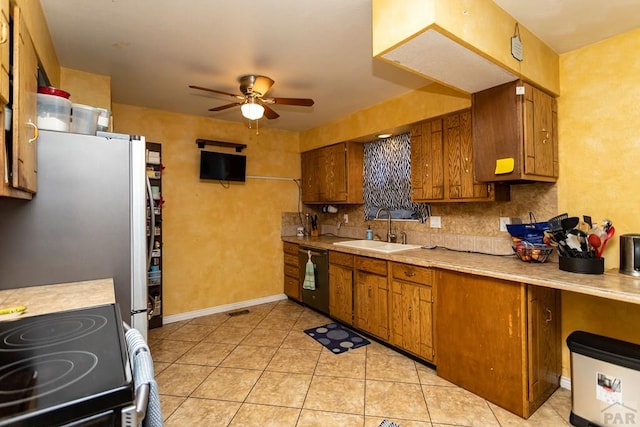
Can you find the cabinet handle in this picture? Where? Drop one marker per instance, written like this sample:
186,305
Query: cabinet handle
549,315
409,273
35,131
409,313
4,33
545,138
369,291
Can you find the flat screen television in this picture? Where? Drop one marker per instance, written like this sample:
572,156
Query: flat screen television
222,166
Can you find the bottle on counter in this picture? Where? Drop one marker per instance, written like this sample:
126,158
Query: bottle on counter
369,235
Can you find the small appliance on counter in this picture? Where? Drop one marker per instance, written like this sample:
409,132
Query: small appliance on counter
630,254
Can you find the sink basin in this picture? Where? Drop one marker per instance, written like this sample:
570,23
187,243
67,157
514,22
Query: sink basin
376,245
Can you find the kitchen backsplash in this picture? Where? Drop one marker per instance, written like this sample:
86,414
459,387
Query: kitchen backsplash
464,226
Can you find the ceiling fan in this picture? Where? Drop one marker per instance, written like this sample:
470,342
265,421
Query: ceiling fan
252,102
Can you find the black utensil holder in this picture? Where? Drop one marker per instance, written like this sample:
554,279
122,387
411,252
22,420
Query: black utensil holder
581,265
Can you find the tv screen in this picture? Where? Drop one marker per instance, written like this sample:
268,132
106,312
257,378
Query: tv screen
222,166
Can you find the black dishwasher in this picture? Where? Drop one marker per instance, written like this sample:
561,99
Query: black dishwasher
317,298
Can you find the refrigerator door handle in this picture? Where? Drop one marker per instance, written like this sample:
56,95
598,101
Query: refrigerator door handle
152,229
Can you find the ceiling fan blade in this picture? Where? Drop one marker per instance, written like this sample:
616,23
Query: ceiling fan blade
304,102
269,113
224,107
214,91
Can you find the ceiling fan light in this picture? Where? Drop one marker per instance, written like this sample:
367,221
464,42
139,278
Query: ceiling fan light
252,111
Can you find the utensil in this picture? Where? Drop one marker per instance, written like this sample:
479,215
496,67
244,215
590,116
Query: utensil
555,223
595,243
610,232
570,223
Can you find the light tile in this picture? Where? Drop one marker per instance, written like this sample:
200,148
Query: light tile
189,332
395,400
211,320
377,348
159,367
265,337
207,353
454,405
544,416
298,339
350,364
168,351
228,334
245,320
281,389
164,331
249,357
203,412
181,380
429,376
375,422
561,402
391,368
294,360
169,404
309,418
277,322
265,416
333,394
228,384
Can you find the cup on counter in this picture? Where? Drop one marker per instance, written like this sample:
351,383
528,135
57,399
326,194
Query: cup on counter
300,232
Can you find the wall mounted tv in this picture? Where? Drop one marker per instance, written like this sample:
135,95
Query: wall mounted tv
222,166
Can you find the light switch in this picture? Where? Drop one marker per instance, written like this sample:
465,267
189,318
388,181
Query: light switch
434,222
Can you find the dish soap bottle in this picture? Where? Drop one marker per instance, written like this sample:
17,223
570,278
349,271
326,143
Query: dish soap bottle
369,233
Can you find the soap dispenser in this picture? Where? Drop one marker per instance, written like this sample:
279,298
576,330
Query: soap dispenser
369,233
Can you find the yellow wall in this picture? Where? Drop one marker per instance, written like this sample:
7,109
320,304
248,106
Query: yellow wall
86,88
221,245
430,101
599,134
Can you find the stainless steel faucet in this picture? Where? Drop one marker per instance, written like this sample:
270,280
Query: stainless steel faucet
391,238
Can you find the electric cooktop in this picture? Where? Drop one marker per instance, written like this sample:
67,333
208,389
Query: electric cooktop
62,367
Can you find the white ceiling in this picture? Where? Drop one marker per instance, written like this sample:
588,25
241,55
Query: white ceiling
154,49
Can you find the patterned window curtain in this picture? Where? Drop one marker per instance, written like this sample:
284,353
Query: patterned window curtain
387,179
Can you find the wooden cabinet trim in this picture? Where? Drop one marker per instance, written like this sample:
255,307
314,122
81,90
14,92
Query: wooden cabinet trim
371,265
341,258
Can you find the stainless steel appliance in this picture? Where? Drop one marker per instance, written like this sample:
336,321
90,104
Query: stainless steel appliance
319,297
87,220
66,368
630,254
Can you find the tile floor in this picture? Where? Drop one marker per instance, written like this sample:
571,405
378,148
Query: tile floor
261,369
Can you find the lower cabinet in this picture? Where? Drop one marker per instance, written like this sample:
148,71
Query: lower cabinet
371,312
411,310
498,339
341,286
291,271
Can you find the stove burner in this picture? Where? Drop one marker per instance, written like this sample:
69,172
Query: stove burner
29,379
45,333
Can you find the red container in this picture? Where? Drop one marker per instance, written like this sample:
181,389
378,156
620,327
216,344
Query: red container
48,90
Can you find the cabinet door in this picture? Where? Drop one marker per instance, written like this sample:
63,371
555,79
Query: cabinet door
543,342
539,140
25,85
427,160
371,306
341,293
4,51
334,174
310,185
459,149
411,321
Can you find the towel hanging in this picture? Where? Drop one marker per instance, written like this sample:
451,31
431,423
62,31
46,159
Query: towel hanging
309,275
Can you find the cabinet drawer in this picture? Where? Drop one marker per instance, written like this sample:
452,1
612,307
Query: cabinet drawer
290,248
341,259
291,259
411,273
371,265
292,287
291,270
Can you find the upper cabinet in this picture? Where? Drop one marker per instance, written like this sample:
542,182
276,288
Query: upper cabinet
442,166
18,157
333,174
515,134
4,51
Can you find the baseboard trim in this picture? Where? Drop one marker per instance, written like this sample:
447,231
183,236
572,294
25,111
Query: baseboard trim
565,383
222,308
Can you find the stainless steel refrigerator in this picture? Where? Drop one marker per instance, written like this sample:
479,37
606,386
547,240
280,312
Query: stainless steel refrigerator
87,220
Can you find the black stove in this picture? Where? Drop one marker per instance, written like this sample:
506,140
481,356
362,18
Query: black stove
65,368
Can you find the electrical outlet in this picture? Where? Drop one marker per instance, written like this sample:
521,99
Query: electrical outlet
504,220
435,222
346,218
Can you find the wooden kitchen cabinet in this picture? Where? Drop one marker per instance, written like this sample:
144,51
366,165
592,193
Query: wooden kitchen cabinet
5,46
333,174
501,339
291,271
521,127
442,168
18,157
411,310
371,309
341,286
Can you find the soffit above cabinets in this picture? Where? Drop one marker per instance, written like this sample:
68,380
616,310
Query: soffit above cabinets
438,57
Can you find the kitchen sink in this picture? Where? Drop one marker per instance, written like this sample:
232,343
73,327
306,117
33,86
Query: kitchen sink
376,245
